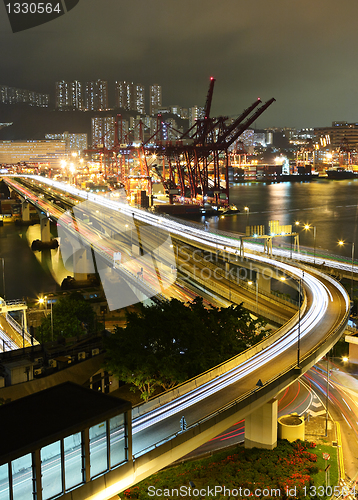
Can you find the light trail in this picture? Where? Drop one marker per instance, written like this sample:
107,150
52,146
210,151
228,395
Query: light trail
312,315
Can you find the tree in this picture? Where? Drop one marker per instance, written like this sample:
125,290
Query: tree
72,316
171,342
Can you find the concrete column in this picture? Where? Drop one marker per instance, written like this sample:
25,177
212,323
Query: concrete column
25,210
261,427
227,268
86,456
45,230
264,281
128,423
36,474
82,263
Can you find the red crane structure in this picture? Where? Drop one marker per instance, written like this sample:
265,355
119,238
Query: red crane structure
194,167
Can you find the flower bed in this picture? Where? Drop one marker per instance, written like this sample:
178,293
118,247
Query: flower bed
285,472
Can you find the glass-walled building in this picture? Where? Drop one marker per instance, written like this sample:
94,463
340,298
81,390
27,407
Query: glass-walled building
59,439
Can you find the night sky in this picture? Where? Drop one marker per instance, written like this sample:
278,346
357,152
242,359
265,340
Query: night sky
303,53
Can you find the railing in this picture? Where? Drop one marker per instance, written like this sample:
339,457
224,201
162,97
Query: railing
20,330
16,302
252,396
224,367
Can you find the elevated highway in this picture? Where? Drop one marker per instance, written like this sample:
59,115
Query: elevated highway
213,401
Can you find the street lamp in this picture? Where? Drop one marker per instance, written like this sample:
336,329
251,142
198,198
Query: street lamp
247,210
283,278
44,300
307,227
341,243
299,319
327,393
51,303
3,277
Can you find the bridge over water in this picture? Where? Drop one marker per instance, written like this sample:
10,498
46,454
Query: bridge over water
213,401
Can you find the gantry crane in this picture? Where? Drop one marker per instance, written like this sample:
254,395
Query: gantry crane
194,167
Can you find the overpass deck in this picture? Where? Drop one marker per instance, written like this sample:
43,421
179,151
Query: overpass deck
215,400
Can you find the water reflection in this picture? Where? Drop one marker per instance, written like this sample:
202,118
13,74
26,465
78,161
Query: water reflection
331,206
51,260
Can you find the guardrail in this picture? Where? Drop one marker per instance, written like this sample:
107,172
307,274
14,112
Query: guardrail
21,331
251,399
224,367
144,287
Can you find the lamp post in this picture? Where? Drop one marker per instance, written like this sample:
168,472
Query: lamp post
3,276
45,301
352,271
51,303
307,227
341,243
299,316
247,210
299,320
297,223
327,393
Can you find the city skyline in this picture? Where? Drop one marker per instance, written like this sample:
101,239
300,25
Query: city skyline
301,53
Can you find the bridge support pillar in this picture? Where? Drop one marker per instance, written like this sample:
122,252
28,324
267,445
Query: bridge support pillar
261,427
25,210
264,282
45,230
82,263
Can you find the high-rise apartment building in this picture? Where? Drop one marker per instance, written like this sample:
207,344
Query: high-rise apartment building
155,98
103,131
77,96
139,99
123,93
68,95
130,96
97,95
195,113
102,88
62,95
12,95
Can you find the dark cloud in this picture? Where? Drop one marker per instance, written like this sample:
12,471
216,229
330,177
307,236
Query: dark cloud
300,52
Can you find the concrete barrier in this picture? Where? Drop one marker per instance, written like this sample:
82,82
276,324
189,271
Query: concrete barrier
218,370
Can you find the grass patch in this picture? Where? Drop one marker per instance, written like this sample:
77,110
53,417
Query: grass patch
319,478
241,471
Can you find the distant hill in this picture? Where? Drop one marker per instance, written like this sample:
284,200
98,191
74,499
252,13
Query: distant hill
34,123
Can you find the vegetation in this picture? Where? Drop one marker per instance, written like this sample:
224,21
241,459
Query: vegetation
72,316
291,466
169,343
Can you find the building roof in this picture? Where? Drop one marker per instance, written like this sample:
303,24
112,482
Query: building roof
39,419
